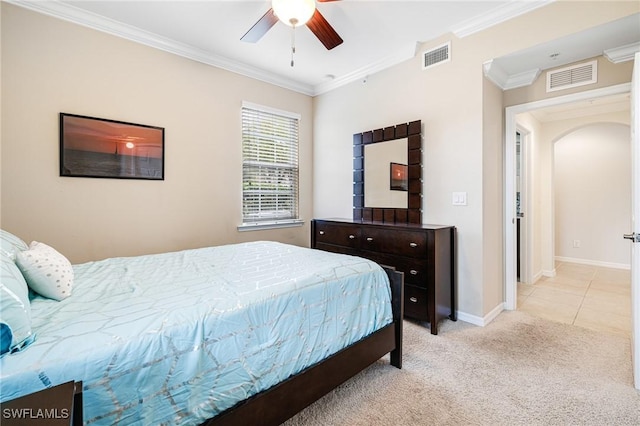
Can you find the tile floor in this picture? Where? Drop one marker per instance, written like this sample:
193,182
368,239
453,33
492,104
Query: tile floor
587,296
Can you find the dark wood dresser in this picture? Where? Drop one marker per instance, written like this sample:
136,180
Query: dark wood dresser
423,252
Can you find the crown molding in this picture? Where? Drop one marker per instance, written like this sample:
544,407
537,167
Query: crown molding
497,16
505,81
622,53
495,73
522,79
91,20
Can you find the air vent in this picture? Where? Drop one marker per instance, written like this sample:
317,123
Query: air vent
573,76
437,55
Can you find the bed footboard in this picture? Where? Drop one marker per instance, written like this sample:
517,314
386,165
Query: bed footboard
396,281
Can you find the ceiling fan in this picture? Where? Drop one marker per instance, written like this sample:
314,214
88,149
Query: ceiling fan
295,13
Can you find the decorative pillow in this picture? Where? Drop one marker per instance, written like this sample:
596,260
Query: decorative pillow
47,272
15,310
10,245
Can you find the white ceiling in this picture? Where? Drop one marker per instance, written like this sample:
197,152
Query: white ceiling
377,34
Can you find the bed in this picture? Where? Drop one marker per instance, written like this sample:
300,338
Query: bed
247,333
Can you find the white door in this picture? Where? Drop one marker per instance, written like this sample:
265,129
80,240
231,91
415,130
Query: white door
635,219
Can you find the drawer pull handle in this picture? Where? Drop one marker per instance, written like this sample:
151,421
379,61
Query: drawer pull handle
369,239
413,299
413,244
413,272
351,237
321,232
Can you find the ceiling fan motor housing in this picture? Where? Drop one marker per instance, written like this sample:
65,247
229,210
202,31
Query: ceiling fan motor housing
294,12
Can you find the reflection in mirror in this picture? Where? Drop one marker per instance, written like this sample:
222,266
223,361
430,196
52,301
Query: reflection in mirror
379,160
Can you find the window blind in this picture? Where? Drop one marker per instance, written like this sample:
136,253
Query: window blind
269,165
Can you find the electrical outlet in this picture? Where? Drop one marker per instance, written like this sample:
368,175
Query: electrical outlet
576,243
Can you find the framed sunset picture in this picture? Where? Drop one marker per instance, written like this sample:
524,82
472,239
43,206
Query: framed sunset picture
399,181
102,148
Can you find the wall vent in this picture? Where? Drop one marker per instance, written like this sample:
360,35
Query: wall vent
437,55
573,76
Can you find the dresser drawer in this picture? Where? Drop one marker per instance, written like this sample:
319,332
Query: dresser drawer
416,271
415,303
338,234
393,241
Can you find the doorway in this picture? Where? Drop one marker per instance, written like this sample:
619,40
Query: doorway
510,230
511,186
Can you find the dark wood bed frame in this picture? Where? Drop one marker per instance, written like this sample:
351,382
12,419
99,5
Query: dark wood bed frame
282,401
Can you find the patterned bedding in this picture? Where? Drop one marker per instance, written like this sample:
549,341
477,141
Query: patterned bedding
176,338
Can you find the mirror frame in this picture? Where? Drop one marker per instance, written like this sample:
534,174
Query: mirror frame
413,213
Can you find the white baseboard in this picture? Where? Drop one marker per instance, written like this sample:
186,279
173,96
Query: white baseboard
480,321
539,275
535,277
593,262
549,273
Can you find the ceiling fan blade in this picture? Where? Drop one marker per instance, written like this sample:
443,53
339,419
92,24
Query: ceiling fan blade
261,27
324,31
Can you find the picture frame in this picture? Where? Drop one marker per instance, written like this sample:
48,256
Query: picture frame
102,148
398,174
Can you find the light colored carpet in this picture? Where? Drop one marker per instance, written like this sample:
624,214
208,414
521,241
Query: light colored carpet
518,370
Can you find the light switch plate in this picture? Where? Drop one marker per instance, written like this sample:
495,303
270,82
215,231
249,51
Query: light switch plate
459,198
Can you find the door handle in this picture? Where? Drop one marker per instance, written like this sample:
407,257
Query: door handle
633,237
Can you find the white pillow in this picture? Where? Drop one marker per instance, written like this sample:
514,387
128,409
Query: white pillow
46,271
10,244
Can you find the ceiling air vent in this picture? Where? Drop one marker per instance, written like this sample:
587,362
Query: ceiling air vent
437,55
573,76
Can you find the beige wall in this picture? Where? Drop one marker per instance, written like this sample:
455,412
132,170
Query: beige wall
492,194
461,152
592,182
452,144
51,66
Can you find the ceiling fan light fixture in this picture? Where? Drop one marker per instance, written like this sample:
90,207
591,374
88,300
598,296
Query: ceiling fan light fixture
294,12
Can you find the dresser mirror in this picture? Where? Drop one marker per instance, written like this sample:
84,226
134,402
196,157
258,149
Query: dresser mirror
387,174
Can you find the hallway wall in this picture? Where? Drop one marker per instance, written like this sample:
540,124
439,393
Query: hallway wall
592,195
542,210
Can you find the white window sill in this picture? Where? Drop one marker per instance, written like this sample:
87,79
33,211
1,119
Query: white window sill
258,226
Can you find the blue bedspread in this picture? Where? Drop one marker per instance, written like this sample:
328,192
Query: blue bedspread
176,338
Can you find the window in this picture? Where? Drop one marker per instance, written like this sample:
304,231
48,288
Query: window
269,167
